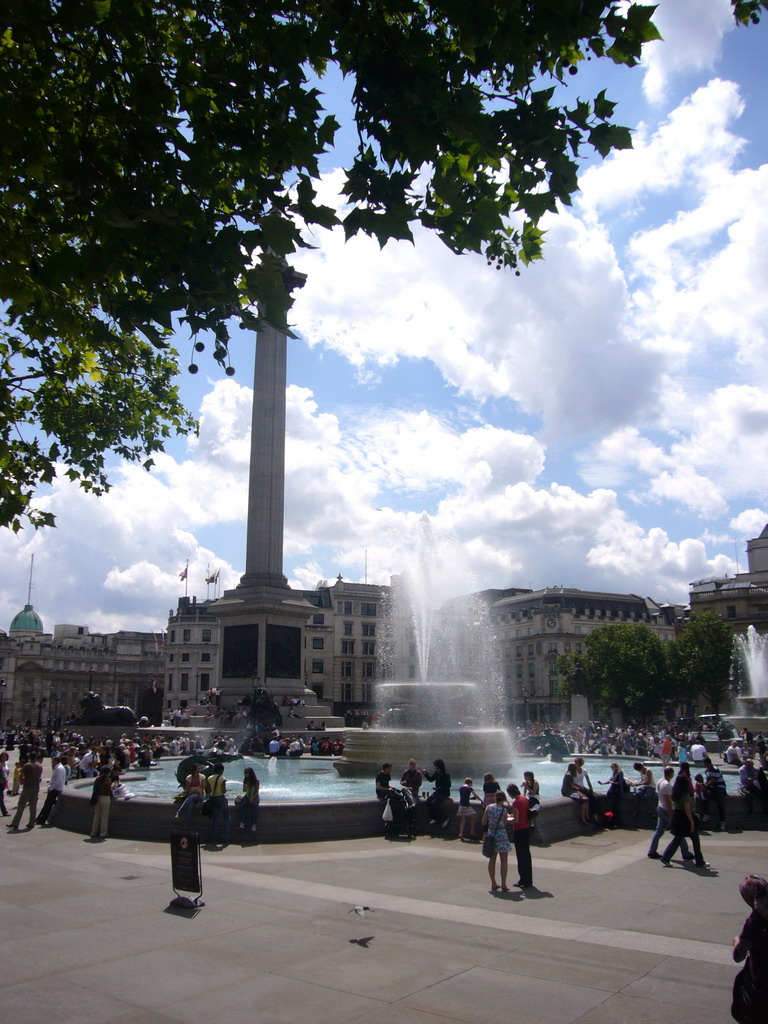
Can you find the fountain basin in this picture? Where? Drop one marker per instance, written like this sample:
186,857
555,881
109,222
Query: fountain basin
465,752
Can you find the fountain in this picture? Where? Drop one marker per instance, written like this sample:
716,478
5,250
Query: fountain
752,709
447,701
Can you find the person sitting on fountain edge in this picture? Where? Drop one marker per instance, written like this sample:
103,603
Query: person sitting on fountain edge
383,780
440,794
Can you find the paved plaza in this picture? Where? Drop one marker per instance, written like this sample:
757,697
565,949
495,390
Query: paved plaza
607,936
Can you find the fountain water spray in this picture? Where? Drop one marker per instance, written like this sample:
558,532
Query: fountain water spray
443,691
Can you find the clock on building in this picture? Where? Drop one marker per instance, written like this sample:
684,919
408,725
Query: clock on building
551,622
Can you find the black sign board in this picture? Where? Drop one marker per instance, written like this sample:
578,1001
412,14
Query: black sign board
185,861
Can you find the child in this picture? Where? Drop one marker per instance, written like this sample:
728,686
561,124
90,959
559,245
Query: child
699,796
17,777
465,811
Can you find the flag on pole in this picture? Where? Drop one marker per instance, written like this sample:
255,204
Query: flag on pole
183,573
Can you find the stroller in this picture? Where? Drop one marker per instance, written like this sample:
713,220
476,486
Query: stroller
400,815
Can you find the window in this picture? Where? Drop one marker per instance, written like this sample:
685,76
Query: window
171,657
369,647
205,680
347,646
368,669
411,671
318,619
531,669
186,636
185,657
170,681
346,691
347,670
173,636
318,643
411,650
730,611
552,647
369,629
367,609
519,671
348,629
345,607
367,693
519,651
205,656
317,666
206,636
185,681
530,649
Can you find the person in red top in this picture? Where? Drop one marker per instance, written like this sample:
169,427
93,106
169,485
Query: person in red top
666,750
521,836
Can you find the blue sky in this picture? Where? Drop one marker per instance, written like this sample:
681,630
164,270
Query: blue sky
599,421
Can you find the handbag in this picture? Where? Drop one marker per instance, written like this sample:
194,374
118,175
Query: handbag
388,815
206,807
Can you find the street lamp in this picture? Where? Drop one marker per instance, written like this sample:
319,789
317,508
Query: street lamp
2,696
40,704
524,692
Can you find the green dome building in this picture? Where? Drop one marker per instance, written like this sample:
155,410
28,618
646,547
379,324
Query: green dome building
26,621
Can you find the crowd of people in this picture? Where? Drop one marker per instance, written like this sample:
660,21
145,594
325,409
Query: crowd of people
492,812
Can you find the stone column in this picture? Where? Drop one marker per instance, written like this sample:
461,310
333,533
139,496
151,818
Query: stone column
266,483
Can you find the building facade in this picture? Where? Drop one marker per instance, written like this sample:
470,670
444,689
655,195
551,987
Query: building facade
533,628
192,642
43,676
342,645
742,600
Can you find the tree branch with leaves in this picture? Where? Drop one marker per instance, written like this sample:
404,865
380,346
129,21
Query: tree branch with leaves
158,169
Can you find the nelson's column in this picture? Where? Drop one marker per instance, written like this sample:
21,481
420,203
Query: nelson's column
262,619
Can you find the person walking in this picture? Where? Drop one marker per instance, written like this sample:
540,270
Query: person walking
521,836
3,782
683,824
495,817
100,798
55,789
29,777
664,810
750,986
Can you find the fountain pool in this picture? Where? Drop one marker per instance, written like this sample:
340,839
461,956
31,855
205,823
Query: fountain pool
285,780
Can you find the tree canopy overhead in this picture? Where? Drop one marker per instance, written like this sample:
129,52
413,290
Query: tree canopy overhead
158,164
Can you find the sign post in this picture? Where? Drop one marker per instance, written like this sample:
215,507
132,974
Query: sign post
185,868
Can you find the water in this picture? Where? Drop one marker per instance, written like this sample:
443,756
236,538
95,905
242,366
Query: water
438,653
301,779
752,649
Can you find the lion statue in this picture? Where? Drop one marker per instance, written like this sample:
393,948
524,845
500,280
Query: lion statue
94,712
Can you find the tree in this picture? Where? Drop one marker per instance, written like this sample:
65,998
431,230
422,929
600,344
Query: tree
625,668
700,659
158,161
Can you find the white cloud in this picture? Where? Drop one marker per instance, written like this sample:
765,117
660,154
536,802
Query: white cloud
692,32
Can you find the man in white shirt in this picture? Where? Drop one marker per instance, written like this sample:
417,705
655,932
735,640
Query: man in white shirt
89,762
55,789
698,752
733,754
664,816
